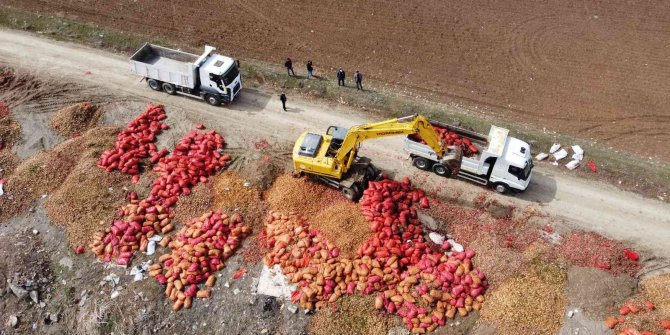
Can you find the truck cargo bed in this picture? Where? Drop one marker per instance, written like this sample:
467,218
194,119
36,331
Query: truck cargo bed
167,65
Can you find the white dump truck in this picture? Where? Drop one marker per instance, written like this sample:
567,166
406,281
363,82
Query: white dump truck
211,77
502,161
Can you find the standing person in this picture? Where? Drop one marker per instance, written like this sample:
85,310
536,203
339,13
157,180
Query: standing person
289,66
340,77
310,69
358,78
282,97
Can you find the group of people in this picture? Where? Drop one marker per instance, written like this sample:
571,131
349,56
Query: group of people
341,76
358,78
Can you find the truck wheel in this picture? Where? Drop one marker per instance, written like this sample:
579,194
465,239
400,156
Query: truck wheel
501,188
441,170
169,88
352,193
421,163
213,100
154,84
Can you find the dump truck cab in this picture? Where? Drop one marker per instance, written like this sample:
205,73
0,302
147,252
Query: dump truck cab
219,74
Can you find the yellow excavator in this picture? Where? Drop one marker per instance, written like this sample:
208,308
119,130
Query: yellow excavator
332,157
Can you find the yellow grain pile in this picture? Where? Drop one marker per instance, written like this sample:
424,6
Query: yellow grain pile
354,315
231,195
343,224
87,200
657,289
290,194
44,172
75,119
531,303
193,205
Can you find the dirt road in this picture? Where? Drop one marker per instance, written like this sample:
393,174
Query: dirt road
257,115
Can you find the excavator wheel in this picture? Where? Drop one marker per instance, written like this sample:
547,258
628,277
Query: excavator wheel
421,163
371,173
352,193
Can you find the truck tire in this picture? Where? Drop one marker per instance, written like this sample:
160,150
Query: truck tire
213,100
169,88
501,188
154,84
421,163
441,170
352,193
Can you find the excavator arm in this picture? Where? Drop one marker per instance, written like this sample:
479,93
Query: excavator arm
413,124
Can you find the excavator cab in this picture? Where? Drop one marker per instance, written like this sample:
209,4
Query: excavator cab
338,134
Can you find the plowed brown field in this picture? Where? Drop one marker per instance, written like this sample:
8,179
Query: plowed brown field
597,69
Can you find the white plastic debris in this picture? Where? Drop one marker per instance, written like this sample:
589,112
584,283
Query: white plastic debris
572,164
577,149
151,248
436,238
272,282
156,238
455,246
291,308
541,156
560,154
554,148
114,294
571,313
138,271
578,157
112,278
137,274
1,190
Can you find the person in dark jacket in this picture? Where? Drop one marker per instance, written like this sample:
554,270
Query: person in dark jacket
340,77
310,69
358,78
282,97
289,66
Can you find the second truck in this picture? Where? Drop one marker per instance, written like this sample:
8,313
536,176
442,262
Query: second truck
211,77
501,161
